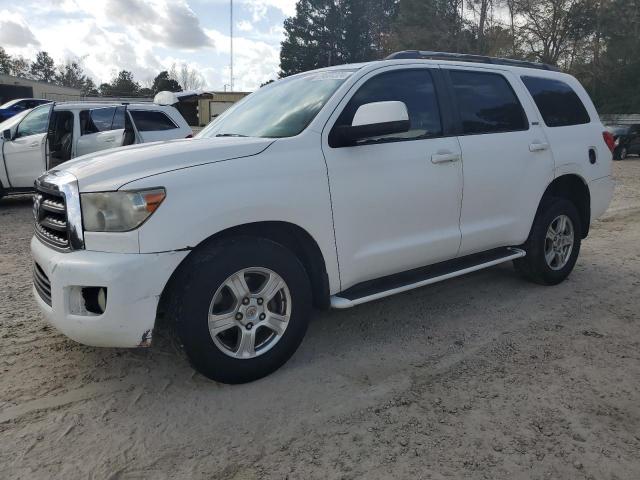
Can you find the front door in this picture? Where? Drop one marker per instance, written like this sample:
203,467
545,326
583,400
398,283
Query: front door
396,199
24,154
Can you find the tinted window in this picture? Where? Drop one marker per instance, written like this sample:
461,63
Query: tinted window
35,122
148,121
97,120
412,87
487,103
558,103
118,119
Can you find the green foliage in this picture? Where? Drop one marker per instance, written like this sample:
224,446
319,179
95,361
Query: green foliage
332,32
123,85
43,68
163,82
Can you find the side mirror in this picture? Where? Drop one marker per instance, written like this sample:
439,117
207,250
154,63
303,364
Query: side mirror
6,135
372,120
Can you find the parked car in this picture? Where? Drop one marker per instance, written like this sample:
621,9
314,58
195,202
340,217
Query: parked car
627,140
13,107
330,188
76,129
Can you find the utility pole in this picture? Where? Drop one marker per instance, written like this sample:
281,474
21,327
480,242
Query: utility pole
231,32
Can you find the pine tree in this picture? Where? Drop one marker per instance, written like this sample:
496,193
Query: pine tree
43,68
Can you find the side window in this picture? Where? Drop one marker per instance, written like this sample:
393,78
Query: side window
118,119
34,123
559,105
149,120
487,103
97,120
414,88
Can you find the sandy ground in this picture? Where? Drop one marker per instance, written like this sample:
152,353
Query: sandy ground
485,376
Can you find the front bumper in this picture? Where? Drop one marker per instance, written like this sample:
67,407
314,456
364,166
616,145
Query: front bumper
134,284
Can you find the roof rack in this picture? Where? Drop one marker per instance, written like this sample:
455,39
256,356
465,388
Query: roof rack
466,57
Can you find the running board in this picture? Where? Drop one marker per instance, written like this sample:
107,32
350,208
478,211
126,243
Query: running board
419,277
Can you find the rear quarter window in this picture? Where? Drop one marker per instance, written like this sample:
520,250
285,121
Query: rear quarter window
559,105
149,120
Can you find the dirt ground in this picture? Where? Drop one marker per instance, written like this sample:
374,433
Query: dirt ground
484,376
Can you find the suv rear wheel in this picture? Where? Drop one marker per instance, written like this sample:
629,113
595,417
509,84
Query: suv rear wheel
553,244
621,153
241,308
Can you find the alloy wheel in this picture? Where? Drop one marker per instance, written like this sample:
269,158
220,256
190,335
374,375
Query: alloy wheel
249,312
558,243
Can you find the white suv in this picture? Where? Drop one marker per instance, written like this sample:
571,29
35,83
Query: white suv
329,188
43,138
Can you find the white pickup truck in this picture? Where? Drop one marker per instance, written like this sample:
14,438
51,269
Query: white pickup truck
75,129
329,188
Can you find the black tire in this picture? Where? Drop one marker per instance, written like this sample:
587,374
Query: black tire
197,282
620,153
534,266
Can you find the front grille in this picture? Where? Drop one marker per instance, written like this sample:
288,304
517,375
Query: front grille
50,212
42,284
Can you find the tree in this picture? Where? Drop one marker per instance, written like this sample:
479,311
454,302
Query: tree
123,85
71,74
432,25
43,68
19,66
5,62
163,82
333,32
188,78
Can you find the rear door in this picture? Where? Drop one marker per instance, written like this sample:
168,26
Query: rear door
154,125
506,158
100,128
24,154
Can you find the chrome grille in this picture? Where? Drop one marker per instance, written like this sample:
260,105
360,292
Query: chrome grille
50,212
42,284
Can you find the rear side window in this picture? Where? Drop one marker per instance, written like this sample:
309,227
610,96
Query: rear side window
559,105
487,103
414,88
98,120
148,120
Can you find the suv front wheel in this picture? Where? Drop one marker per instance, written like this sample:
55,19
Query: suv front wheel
241,308
553,244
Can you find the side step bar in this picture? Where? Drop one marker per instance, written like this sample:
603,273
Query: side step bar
419,277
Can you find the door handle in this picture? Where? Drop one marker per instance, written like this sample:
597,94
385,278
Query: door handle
444,156
35,144
538,146
109,140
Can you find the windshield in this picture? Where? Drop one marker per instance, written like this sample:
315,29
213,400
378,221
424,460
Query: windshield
282,109
13,121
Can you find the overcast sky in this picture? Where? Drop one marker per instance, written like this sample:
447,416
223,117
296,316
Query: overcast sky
147,36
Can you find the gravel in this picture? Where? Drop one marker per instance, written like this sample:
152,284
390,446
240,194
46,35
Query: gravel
483,376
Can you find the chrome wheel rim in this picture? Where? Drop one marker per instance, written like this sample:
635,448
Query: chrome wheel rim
623,153
558,243
249,312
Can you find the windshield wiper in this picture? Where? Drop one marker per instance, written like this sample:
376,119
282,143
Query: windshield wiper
230,135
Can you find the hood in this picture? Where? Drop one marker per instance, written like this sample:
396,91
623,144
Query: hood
111,169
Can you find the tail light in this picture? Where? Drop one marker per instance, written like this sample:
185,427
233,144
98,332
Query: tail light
189,136
609,140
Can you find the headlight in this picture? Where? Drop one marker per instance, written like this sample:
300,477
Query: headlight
119,211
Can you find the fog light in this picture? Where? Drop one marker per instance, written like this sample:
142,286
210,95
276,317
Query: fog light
95,299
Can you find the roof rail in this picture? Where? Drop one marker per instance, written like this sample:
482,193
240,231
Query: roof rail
466,57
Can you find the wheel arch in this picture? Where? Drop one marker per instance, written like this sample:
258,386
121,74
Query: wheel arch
289,235
574,188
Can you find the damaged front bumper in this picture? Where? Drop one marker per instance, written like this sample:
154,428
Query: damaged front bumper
133,283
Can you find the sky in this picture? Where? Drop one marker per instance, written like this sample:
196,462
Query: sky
147,36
